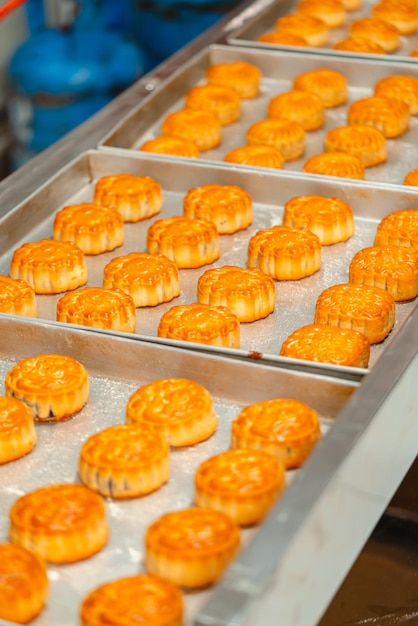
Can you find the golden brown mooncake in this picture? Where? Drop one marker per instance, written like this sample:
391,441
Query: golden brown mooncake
359,44
198,126
179,408
149,279
377,30
411,178
282,39
311,28
399,228
223,102
49,266
188,242
248,292
285,253
399,86
329,85
414,53
61,523
176,146
388,115
17,430
136,198
331,219
402,15
286,136
352,5
125,461
365,142
230,207
24,585
93,228
17,297
241,483
335,164
328,344
331,12
140,599
394,268
54,386
112,309
302,107
258,156
244,77
191,547
201,323
283,427
370,310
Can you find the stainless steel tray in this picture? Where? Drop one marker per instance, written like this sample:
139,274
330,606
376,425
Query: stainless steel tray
117,367
264,22
279,68
295,300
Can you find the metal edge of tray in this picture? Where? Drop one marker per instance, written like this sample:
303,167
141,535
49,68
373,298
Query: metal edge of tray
244,33
309,543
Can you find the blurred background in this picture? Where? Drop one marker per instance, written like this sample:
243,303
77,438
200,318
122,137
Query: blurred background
63,60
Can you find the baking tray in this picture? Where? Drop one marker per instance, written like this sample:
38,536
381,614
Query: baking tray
279,69
264,22
295,300
117,367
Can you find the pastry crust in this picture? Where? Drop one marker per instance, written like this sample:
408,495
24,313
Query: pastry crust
404,16
55,387
191,547
133,600
330,85
176,146
335,164
283,427
311,28
258,156
61,523
244,77
328,344
365,142
24,584
394,268
248,292
331,12
370,310
223,102
331,219
149,279
285,253
400,87
17,297
93,228
112,309
352,5
241,483
49,266
286,136
411,178
188,242
199,126
284,39
399,228
359,44
389,115
17,430
178,408
125,461
377,30
136,198
306,109
201,323
228,206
